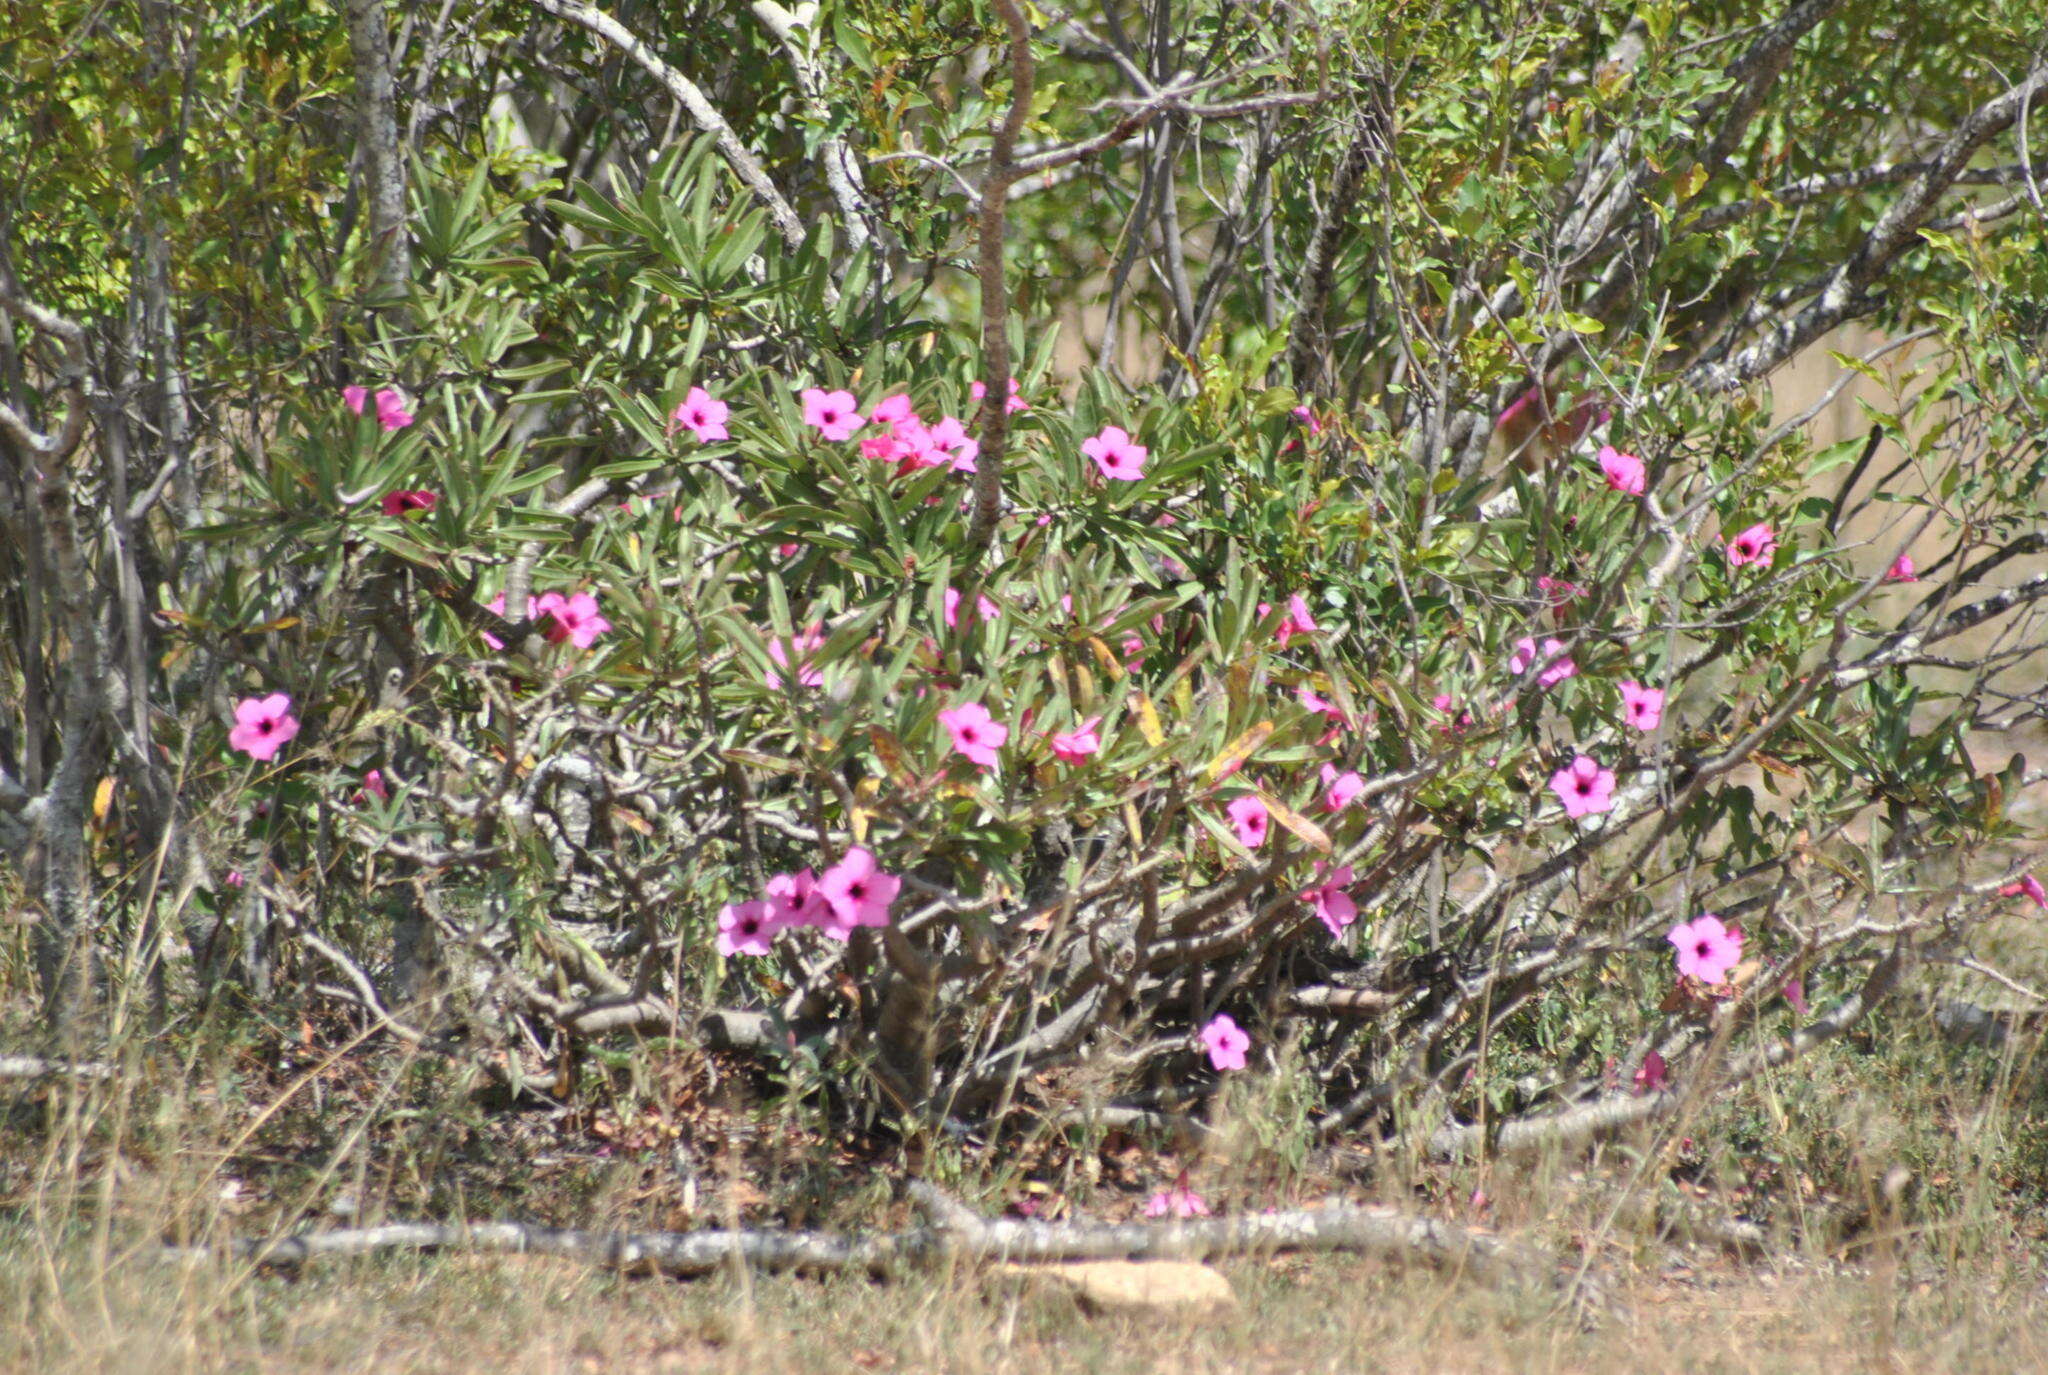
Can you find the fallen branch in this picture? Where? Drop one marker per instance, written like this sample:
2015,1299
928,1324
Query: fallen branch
36,1067
1581,1125
955,1233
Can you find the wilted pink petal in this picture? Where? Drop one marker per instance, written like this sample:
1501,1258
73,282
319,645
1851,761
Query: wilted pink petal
403,502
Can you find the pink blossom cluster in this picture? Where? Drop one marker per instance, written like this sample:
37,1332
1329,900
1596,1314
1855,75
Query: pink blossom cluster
905,440
851,894
574,618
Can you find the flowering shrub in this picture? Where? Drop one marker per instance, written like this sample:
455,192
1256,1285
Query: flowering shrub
671,619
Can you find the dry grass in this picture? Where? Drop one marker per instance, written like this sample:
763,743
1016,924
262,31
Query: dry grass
515,1314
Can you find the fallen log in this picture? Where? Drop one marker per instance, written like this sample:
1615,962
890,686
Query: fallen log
953,1233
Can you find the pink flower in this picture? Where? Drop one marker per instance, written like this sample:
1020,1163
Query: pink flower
987,609
262,725
1515,407
892,411
1344,788
831,413
234,879
1902,570
1333,905
1625,472
1297,621
1556,669
400,502
1795,994
1115,455
391,411
496,606
1226,1042
794,900
975,733
1754,545
1707,949
1077,744
1012,404
804,644
1651,1077
1248,818
354,397
1322,707
1558,594
884,448
1584,787
947,445
857,893
374,784
1180,1201
744,928
1308,418
2030,887
1644,707
702,415
575,619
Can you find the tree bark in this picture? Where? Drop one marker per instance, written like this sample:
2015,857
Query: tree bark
369,41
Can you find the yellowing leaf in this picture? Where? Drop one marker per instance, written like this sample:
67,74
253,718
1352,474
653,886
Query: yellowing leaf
775,762
1111,665
1148,721
1689,185
890,751
1240,749
281,623
1307,831
102,798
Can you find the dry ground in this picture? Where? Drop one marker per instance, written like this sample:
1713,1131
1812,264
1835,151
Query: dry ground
517,1314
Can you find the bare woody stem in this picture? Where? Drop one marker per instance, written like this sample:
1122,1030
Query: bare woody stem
993,424
701,111
383,158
